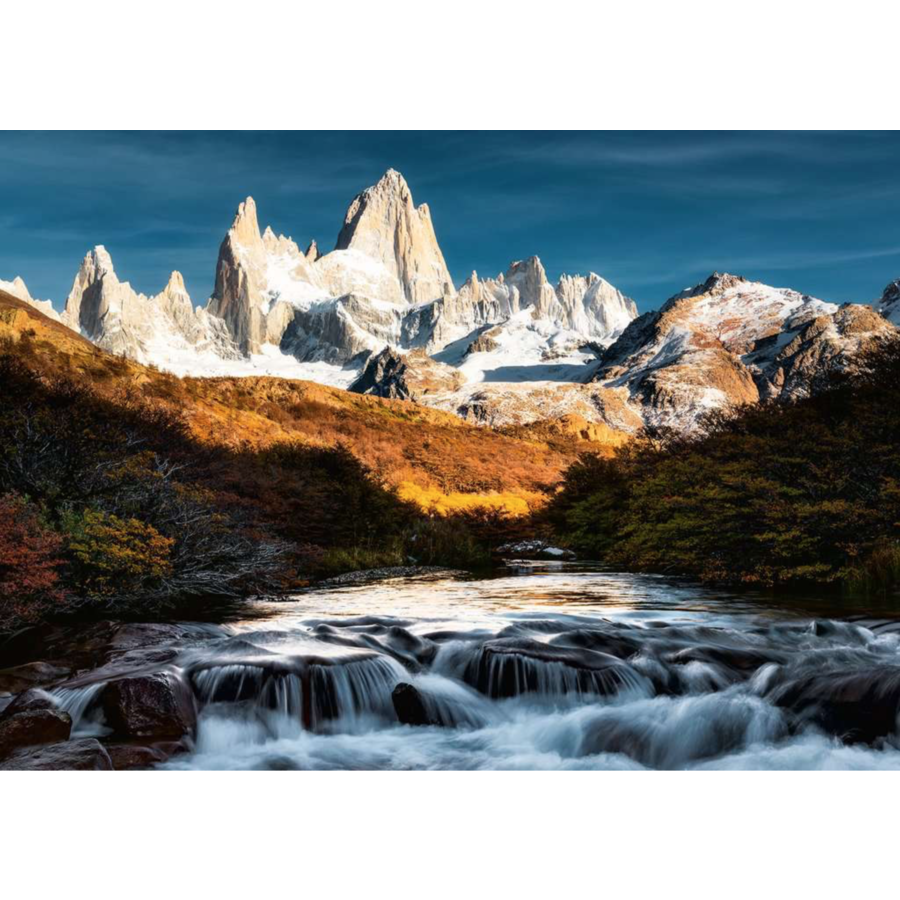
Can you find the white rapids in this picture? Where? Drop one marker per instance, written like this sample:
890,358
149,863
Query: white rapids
550,666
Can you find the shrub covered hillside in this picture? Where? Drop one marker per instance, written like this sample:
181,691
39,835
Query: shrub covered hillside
123,489
776,495
432,455
110,505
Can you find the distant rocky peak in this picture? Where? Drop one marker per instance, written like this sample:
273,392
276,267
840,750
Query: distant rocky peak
532,267
175,290
393,182
175,285
17,288
245,227
312,251
719,282
891,293
529,278
889,304
97,263
383,223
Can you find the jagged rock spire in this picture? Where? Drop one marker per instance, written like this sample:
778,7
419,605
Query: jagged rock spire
383,222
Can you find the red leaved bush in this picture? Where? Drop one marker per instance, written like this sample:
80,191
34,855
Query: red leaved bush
29,564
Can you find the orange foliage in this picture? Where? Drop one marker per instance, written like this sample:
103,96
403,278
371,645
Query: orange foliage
29,563
398,440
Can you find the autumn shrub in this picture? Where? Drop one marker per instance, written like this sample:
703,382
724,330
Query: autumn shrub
878,573
30,565
111,555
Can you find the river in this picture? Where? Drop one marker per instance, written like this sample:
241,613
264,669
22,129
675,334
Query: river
545,666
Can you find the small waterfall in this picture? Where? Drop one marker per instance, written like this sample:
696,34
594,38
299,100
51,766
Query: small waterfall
352,690
453,684
78,702
499,674
316,693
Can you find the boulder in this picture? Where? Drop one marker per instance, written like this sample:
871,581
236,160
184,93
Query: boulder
135,756
32,727
409,705
30,700
83,754
534,549
742,661
856,706
159,705
34,674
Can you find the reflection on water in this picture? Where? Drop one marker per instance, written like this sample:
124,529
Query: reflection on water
580,588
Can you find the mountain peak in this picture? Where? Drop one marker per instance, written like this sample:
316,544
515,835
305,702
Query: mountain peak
97,263
532,266
176,284
17,288
394,180
721,281
245,226
383,223
889,303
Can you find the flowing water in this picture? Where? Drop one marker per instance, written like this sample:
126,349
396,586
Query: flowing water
553,666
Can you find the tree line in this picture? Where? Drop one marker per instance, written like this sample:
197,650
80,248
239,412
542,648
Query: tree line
778,495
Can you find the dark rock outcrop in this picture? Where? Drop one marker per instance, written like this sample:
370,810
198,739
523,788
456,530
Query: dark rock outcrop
159,706
32,727
85,754
135,756
509,667
30,700
858,706
34,674
405,376
409,705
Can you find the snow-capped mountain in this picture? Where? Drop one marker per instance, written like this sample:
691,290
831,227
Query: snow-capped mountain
161,329
276,309
730,341
380,314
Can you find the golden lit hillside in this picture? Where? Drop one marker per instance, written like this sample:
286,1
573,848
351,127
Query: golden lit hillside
435,458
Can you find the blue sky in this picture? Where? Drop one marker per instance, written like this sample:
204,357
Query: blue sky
650,211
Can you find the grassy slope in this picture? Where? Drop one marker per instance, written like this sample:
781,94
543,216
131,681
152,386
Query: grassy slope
433,455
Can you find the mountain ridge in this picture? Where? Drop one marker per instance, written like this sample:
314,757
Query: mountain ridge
380,314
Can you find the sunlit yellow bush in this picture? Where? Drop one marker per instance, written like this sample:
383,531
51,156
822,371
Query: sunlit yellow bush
113,554
433,500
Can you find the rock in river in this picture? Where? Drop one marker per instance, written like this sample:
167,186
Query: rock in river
159,705
84,754
410,705
31,727
856,706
